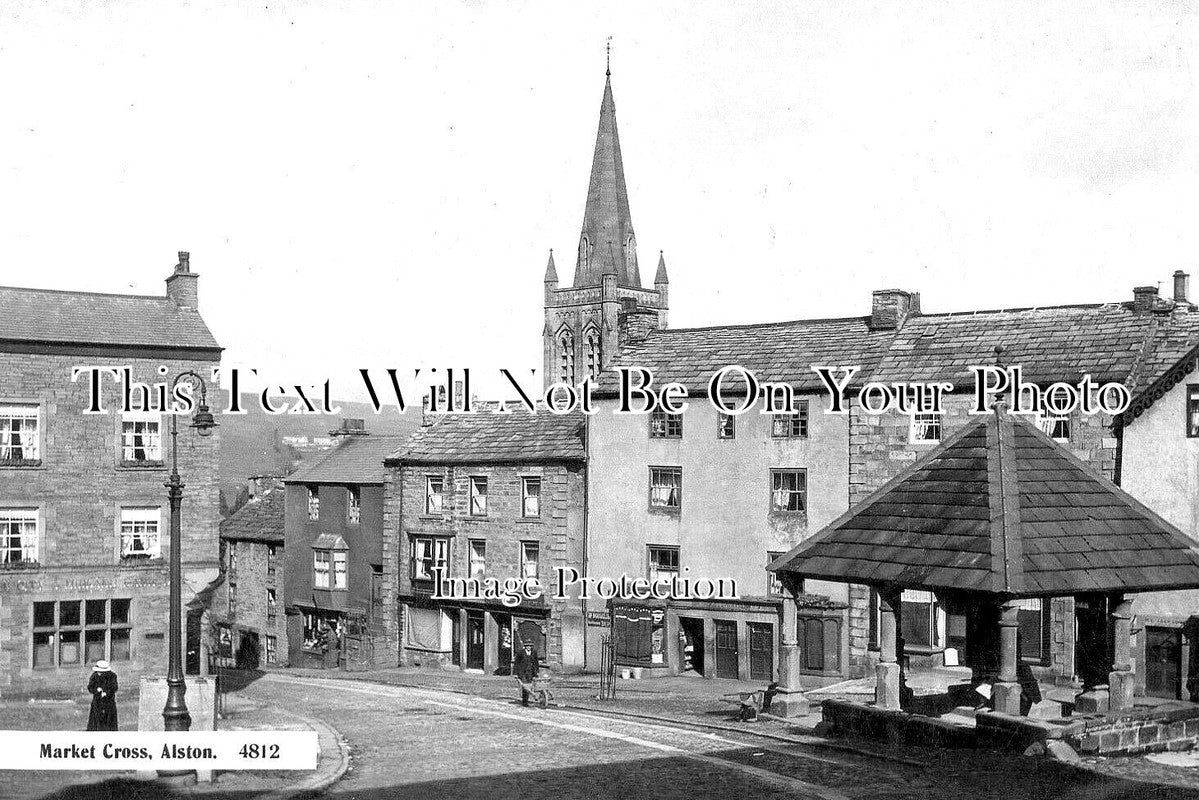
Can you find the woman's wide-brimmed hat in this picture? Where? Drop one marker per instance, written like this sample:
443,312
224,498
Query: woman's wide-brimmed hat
101,666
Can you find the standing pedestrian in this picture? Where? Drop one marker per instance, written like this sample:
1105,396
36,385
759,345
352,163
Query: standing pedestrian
526,668
103,688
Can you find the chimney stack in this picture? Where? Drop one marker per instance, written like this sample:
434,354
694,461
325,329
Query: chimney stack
636,324
350,427
890,308
1181,286
182,285
1143,299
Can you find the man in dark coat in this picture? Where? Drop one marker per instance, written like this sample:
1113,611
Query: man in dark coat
103,688
526,668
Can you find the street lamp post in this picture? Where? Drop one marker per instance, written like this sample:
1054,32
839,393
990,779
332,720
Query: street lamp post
174,714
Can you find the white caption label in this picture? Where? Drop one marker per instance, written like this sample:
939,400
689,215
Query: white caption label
146,750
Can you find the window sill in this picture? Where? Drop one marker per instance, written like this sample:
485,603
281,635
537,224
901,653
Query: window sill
668,512
141,465
146,562
21,566
25,463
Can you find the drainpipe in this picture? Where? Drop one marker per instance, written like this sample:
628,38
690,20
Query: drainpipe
586,522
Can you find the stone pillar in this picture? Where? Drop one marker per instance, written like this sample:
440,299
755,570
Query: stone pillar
887,671
1120,679
789,700
1006,690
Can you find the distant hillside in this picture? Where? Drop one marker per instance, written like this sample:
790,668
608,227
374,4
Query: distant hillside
257,443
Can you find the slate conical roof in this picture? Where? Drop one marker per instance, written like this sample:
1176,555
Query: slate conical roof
1001,508
606,216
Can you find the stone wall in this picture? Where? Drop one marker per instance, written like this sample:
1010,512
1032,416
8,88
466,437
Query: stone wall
558,531
79,487
252,578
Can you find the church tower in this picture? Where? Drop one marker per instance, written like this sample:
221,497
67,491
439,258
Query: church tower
587,322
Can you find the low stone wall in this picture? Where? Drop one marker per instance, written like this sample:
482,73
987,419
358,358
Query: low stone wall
847,718
1138,730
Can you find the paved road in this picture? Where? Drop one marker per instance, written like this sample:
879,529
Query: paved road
418,743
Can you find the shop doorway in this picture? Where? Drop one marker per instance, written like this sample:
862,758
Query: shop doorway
761,651
474,640
692,643
456,638
1163,662
503,648
191,664
528,630
726,649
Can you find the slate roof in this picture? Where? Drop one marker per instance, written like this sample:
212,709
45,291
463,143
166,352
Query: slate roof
1062,343
355,459
489,438
1001,508
46,315
259,520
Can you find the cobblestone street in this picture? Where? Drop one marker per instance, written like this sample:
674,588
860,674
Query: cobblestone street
415,742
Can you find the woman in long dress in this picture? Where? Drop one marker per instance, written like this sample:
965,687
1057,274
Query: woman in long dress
103,688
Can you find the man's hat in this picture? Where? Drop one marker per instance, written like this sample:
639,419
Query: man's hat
101,666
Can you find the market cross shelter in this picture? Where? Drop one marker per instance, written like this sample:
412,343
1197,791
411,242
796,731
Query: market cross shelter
998,513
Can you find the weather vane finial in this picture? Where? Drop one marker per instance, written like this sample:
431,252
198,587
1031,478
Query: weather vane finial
608,57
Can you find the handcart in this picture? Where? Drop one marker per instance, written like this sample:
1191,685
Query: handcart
538,689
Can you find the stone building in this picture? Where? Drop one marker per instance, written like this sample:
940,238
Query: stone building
586,322
490,497
336,616
83,512
249,626
675,492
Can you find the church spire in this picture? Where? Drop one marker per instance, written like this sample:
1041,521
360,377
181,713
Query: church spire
606,216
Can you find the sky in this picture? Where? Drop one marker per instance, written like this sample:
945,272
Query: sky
379,184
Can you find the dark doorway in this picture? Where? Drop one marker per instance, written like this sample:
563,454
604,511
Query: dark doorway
1092,644
726,649
474,640
761,651
247,650
456,637
1163,662
503,648
191,663
692,643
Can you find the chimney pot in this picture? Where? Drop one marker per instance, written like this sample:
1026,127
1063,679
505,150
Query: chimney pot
1181,286
182,283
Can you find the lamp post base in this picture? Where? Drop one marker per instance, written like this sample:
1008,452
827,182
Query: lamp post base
175,777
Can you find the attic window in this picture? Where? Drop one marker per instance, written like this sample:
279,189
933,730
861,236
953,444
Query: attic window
791,426
665,426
